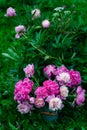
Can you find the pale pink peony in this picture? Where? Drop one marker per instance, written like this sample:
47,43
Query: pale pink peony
39,102
32,100
64,91
35,14
45,23
55,104
24,107
49,98
10,12
63,77
41,92
51,86
22,90
29,70
49,70
75,78
19,29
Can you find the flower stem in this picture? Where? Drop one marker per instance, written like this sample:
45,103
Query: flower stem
35,80
42,52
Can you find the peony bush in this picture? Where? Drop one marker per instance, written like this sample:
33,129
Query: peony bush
53,93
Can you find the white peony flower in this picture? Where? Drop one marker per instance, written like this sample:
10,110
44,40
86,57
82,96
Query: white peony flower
55,104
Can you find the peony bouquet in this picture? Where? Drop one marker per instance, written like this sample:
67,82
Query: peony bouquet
59,85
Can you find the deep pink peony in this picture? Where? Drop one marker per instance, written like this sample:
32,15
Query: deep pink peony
41,92
22,90
50,70
75,78
51,86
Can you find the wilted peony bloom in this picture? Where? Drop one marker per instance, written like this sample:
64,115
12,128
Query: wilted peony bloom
49,70
35,13
41,92
45,23
51,86
22,90
55,104
29,70
64,91
39,102
10,12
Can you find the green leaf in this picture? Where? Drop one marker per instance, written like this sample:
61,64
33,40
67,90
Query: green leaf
12,53
82,128
12,126
8,56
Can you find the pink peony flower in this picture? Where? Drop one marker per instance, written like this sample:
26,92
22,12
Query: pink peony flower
75,78
80,96
80,90
24,107
49,70
45,24
51,86
39,102
35,14
19,29
80,99
61,69
22,90
64,91
29,70
41,92
55,104
10,12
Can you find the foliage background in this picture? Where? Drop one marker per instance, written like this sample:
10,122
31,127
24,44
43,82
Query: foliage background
66,41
